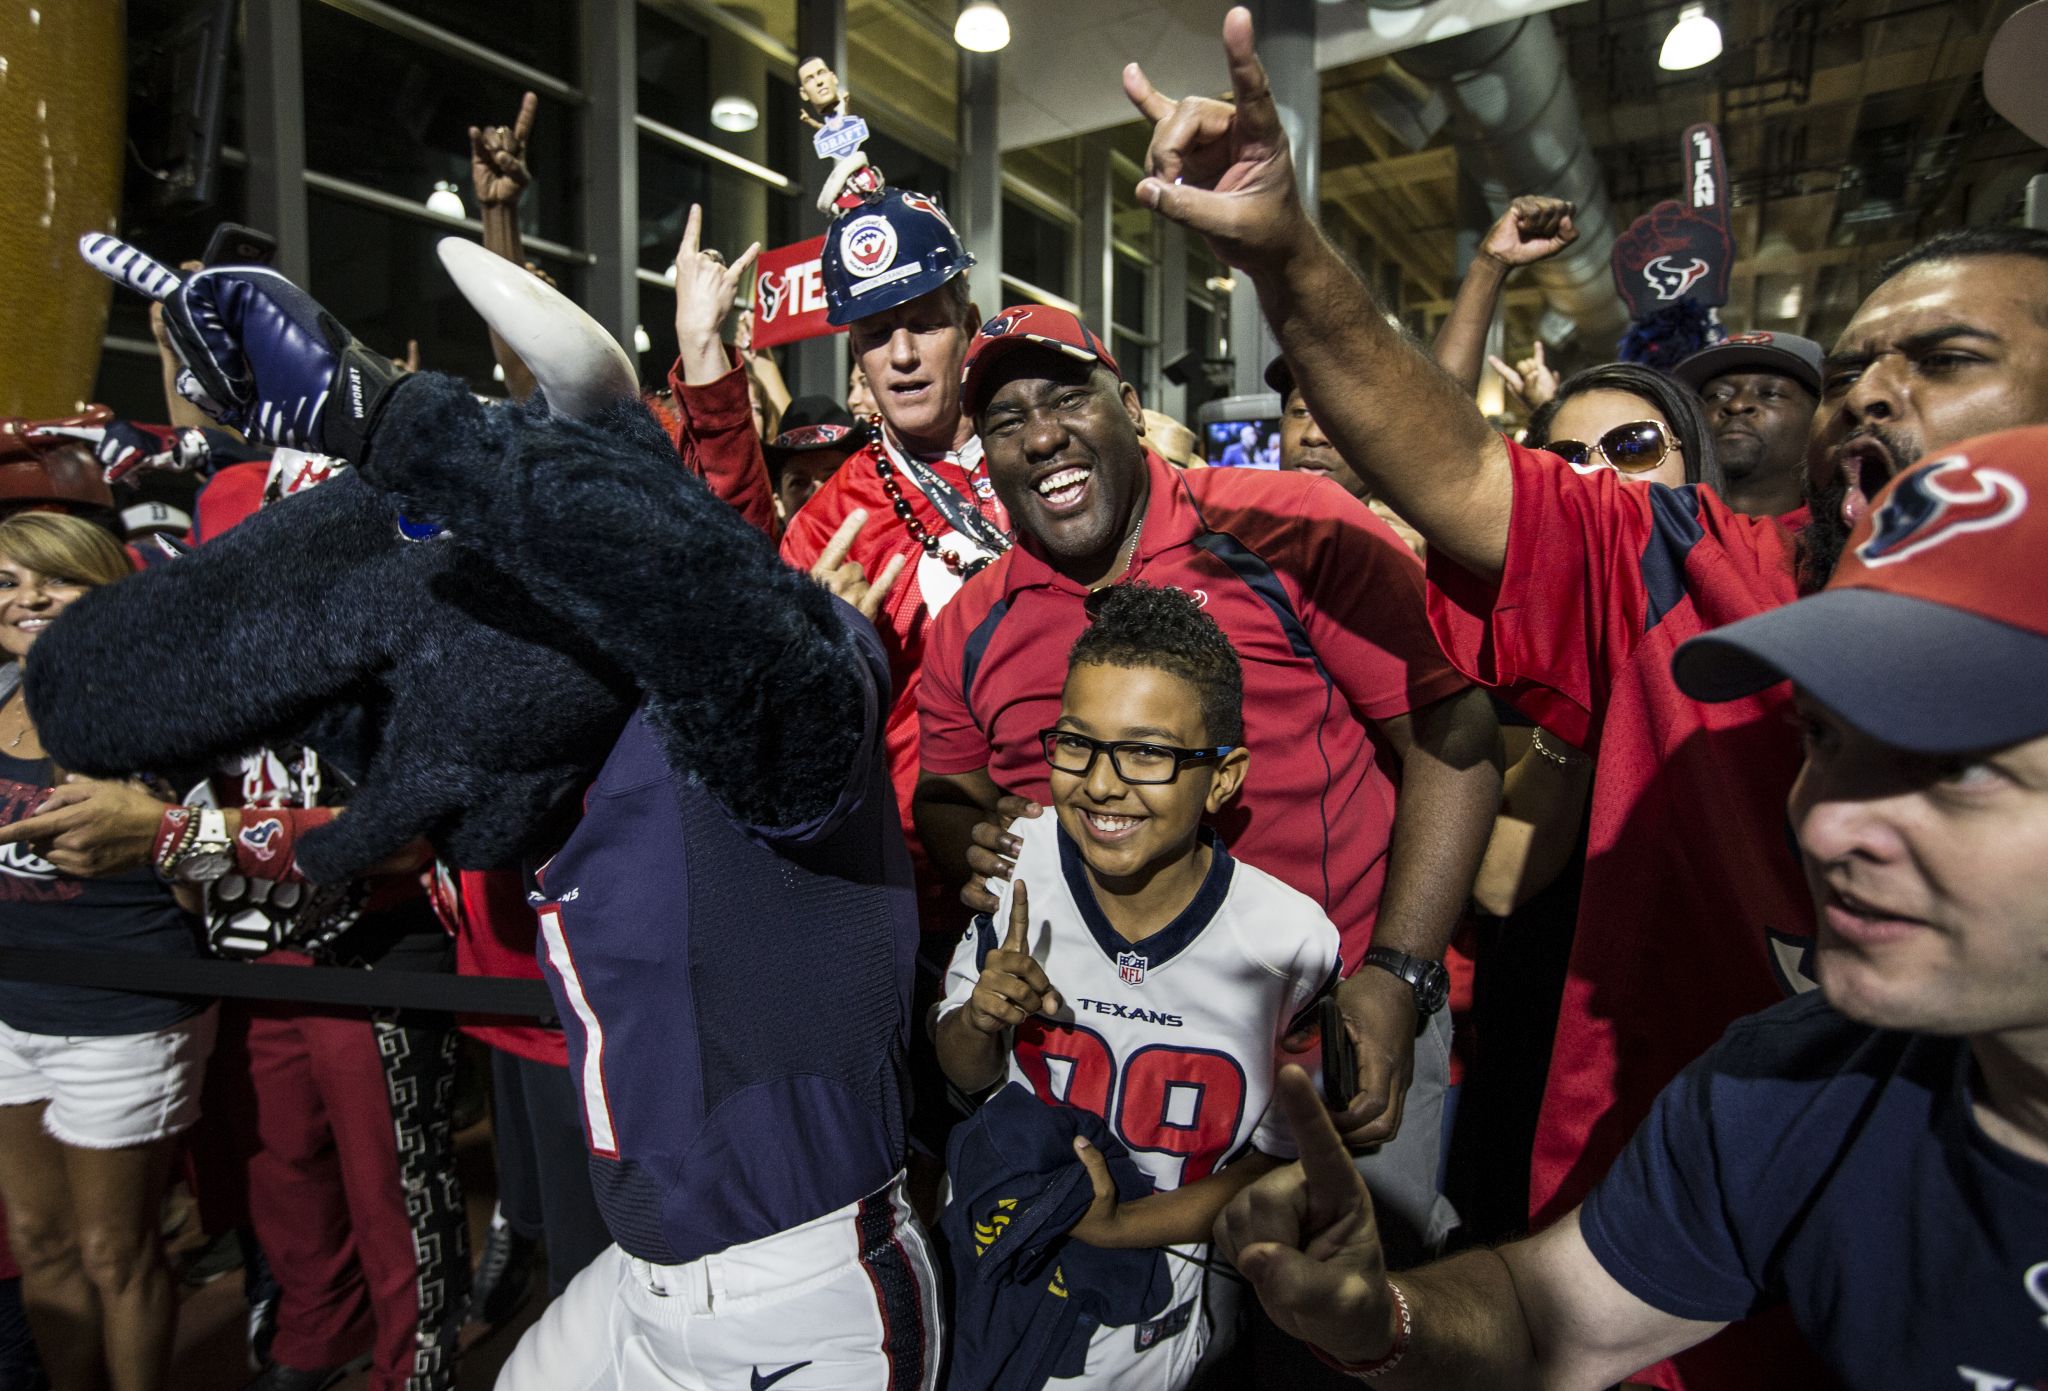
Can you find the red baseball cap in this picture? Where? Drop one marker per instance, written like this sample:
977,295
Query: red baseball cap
1027,326
1932,635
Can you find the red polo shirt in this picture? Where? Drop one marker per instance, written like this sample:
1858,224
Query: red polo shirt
1694,912
1324,606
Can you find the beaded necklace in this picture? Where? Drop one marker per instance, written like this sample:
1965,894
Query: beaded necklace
961,512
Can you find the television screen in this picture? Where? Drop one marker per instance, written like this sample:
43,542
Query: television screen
1242,443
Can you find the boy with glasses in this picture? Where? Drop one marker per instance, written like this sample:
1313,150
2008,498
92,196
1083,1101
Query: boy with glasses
1146,975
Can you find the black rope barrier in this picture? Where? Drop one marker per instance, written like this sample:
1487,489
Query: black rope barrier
213,978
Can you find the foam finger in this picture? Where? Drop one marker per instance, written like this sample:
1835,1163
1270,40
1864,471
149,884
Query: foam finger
126,265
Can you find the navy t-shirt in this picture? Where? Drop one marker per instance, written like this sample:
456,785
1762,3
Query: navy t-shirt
736,999
43,908
1810,1160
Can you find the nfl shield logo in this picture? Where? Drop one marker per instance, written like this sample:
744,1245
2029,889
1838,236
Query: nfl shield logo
1130,968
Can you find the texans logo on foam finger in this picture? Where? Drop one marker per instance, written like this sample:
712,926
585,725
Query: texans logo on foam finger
1670,280
1948,498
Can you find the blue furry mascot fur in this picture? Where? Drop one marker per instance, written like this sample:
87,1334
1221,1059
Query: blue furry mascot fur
578,572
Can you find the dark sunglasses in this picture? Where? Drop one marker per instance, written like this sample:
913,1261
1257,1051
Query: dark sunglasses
1636,447
1135,761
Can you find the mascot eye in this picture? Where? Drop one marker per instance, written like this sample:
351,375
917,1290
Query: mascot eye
411,530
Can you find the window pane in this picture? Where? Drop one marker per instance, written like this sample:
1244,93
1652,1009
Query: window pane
738,208
172,237
1127,294
1036,248
415,132
1136,360
378,274
538,33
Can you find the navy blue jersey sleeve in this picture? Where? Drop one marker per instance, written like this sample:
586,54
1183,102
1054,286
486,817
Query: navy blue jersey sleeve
1663,1222
867,772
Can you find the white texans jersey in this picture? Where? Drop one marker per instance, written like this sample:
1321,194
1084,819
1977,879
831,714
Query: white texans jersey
1175,1040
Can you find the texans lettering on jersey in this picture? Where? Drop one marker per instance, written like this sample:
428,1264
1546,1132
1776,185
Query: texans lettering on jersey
1175,1040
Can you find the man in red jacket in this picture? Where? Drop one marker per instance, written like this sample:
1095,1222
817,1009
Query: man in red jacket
893,273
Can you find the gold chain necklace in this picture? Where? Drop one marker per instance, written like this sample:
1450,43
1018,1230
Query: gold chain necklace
21,733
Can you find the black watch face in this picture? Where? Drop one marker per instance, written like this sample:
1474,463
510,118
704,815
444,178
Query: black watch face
1433,990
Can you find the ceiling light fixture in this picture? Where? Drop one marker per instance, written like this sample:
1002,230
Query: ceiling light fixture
735,114
446,200
982,28
641,342
1694,41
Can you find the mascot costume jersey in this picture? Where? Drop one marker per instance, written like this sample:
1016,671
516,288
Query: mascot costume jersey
517,607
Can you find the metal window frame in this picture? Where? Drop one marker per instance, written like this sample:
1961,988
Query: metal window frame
683,140
420,212
445,41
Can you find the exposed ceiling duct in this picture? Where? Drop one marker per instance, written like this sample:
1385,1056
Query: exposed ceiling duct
1516,127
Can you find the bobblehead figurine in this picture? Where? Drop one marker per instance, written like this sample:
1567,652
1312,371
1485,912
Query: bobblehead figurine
839,138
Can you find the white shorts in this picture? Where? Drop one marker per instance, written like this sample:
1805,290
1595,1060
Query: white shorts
114,1090
803,1310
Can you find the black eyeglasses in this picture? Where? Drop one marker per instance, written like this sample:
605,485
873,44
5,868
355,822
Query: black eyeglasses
1636,447
1134,760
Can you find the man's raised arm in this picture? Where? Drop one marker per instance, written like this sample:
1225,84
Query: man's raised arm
1415,435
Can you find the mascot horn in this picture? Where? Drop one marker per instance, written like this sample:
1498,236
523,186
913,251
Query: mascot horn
574,572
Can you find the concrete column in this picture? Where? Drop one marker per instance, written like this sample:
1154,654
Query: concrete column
1287,44
274,126
1095,290
1171,312
611,165
816,366
978,183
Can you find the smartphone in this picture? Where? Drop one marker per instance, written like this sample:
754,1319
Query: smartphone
1340,1058
233,244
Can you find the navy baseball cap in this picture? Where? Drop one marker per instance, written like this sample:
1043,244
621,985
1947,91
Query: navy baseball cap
1027,326
1932,636
1280,376
1786,354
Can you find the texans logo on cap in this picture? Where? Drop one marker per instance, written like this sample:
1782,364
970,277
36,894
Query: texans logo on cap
1001,324
1934,504
1670,281
868,245
1753,339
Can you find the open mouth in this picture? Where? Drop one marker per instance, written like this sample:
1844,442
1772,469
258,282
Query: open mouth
1064,489
1864,465
1109,827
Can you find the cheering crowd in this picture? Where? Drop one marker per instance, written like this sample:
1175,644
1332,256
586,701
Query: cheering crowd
994,877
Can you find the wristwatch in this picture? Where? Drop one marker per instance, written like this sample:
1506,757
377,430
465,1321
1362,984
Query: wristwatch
1428,979
206,854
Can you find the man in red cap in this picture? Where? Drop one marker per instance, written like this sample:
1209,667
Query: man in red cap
1872,1155
1324,607
1570,591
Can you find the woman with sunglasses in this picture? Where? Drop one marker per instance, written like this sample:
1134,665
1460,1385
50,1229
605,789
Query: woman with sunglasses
1650,429
1632,419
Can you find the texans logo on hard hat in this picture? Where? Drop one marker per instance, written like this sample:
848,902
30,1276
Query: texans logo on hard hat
926,205
1934,504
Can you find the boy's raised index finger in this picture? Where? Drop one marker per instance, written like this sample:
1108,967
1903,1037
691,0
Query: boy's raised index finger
1020,919
693,228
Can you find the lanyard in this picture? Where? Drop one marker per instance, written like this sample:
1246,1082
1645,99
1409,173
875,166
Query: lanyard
960,513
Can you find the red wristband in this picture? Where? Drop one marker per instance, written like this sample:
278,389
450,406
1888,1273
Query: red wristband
170,833
1381,1365
264,846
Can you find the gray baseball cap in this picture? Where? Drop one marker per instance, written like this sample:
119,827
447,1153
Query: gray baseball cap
1787,354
